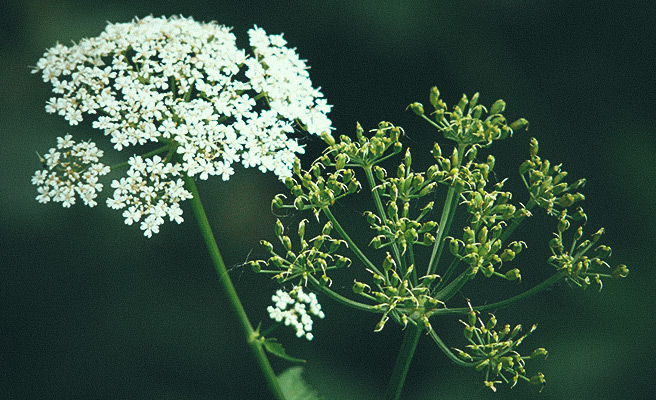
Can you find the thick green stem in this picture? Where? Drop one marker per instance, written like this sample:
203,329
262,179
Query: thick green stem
228,287
403,360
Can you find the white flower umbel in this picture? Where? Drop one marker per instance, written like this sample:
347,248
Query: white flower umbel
151,191
70,169
187,86
295,309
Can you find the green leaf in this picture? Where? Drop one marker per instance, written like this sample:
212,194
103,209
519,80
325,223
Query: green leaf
272,346
294,387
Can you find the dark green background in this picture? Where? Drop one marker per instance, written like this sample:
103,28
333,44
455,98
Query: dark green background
90,309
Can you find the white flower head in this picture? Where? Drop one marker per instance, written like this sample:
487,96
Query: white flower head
69,171
295,309
186,85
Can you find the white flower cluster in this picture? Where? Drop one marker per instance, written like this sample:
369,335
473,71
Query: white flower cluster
150,189
186,85
295,309
69,169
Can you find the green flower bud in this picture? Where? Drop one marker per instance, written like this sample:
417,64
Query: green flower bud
277,201
286,242
455,156
372,218
328,138
298,203
471,318
468,332
437,151
359,132
597,235
603,251
534,147
519,124
380,173
340,161
482,235
515,332
389,262
428,189
400,171
468,235
507,255
516,246
418,108
498,107
376,242
407,160
267,246
538,380
434,97
620,272
359,287
255,266
539,354
297,167
513,274
454,246
563,225
492,322
297,190
279,229
327,228
342,262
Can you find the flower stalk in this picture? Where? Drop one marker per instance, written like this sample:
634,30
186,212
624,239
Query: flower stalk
233,298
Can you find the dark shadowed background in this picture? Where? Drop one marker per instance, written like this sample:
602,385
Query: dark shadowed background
90,309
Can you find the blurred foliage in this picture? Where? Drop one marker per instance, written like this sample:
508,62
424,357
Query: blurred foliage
90,309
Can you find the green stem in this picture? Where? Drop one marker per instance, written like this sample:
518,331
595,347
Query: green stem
403,360
531,292
449,210
341,299
351,244
383,216
251,335
445,223
448,352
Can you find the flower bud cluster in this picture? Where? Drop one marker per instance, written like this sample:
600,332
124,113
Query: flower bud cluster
493,351
398,297
395,227
316,256
71,169
546,183
582,260
296,308
468,124
312,190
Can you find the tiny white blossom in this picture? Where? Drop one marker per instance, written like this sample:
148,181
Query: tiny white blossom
295,309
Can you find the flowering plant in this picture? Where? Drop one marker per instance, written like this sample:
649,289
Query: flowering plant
420,260
196,104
